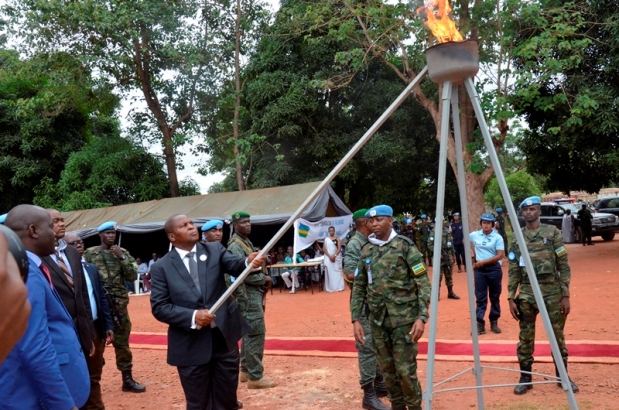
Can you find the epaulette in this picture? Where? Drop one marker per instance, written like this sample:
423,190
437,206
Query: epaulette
406,239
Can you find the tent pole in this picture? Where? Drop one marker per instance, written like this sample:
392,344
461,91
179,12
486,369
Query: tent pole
325,182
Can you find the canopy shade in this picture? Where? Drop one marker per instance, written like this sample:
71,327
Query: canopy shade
267,206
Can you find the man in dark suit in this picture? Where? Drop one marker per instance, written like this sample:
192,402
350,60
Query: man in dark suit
203,346
104,327
46,368
65,267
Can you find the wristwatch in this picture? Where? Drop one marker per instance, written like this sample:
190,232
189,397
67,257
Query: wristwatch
424,319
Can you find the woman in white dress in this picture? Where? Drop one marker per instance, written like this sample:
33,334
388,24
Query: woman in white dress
334,282
567,227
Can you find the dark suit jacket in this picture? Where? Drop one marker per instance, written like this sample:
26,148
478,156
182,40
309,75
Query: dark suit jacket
77,303
103,308
46,368
174,297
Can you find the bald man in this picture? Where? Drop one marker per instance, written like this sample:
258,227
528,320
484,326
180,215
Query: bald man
46,368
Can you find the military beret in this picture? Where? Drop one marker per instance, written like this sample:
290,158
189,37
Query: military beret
423,216
239,215
456,214
212,224
499,210
359,214
106,226
379,210
3,218
533,200
487,217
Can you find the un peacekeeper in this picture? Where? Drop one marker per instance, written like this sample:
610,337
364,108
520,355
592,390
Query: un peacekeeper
549,257
393,281
252,349
409,230
116,265
424,233
500,226
447,259
371,379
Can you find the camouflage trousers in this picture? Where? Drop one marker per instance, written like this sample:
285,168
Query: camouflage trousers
447,271
252,349
124,358
426,251
368,366
528,314
397,359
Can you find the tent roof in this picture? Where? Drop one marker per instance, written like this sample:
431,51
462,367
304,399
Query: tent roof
266,206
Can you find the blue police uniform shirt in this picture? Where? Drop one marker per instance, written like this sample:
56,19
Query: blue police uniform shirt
457,233
486,246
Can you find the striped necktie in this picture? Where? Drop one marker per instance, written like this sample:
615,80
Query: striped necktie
64,268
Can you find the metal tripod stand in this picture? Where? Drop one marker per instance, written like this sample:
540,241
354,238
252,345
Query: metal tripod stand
450,96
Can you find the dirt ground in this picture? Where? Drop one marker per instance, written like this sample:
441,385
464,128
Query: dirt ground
333,383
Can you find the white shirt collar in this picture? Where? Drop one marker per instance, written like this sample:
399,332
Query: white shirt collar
184,253
375,241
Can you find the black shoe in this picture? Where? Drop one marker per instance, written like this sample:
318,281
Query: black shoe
590,244
481,328
459,269
370,400
494,326
380,387
131,385
575,388
522,388
451,294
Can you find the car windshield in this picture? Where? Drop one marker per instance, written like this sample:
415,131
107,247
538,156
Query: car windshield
572,207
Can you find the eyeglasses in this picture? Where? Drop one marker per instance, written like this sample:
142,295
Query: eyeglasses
75,243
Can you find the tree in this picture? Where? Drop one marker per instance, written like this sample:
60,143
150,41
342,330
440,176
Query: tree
169,52
521,185
48,107
568,93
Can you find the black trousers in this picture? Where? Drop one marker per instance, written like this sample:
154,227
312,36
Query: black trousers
459,251
213,386
488,286
586,234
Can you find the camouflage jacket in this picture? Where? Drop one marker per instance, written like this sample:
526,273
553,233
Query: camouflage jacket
393,280
447,246
112,270
549,258
353,253
243,247
501,222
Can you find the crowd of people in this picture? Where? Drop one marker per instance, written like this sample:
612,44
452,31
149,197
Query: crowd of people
78,302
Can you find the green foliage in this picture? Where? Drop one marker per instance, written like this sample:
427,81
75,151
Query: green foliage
520,184
49,105
108,170
189,187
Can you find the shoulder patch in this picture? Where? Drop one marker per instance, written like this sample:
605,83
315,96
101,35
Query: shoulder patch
560,251
511,256
419,269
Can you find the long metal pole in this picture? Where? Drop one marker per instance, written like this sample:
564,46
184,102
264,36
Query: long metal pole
438,236
468,261
338,168
539,299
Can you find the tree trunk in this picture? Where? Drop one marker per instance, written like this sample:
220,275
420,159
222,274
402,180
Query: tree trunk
237,101
170,161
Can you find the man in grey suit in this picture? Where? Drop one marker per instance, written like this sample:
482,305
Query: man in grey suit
185,283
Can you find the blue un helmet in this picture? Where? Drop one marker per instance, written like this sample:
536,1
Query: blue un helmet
487,217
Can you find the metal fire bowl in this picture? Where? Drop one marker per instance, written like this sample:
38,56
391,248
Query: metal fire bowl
454,61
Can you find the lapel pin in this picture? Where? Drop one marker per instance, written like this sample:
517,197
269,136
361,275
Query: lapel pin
202,258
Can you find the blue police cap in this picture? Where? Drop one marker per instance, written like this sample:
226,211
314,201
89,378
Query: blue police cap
499,210
532,200
423,216
487,217
106,226
379,210
212,224
456,214
3,218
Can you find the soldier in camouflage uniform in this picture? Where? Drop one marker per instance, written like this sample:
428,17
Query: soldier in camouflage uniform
424,231
500,226
549,257
252,349
393,281
371,380
115,265
447,260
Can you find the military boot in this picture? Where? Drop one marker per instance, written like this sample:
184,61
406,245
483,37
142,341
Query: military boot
575,388
494,326
522,388
131,385
380,387
481,328
370,400
451,294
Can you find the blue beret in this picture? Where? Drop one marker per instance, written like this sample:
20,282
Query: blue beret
487,217
3,218
408,220
533,200
456,214
106,226
423,216
379,210
499,210
212,224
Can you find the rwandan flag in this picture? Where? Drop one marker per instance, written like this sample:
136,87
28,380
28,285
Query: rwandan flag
303,230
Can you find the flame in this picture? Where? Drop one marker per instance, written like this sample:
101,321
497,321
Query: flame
443,28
